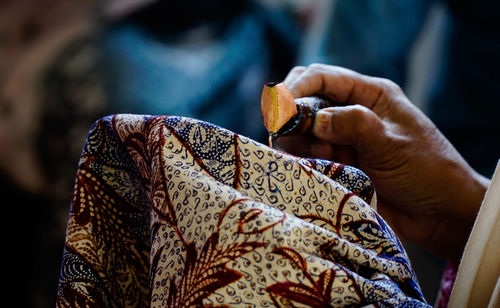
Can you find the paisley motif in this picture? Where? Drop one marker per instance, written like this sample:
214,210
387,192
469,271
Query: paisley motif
174,212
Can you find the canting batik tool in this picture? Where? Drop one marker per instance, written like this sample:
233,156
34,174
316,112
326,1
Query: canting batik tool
284,116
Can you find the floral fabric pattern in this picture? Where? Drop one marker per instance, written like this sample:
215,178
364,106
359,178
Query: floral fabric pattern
174,212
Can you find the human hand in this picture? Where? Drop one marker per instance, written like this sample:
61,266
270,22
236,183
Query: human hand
426,191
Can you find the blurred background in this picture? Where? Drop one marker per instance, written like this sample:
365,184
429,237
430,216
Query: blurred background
64,64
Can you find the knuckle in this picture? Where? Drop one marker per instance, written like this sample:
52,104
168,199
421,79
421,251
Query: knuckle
293,75
389,85
298,69
364,120
315,67
359,113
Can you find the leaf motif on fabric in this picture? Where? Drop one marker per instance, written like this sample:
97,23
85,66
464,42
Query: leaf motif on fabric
317,294
207,272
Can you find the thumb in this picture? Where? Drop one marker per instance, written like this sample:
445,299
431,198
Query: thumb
353,125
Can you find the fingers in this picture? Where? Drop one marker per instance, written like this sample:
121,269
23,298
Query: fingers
299,145
306,145
338,84
331,81
354,125
294,74
315,148
337,153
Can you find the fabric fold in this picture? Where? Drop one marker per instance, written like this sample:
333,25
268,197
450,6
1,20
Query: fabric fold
174,212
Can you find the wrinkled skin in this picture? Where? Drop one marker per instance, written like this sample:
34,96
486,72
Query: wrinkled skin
426,191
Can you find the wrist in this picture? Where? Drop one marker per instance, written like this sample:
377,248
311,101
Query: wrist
469,196
459,214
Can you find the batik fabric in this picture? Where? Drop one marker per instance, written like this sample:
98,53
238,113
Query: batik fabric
174,212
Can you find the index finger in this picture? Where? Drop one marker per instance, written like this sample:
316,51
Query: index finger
338,84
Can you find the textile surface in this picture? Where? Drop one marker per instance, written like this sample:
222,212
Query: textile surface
447,282
175,212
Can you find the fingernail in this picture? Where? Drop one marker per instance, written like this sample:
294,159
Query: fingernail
322,122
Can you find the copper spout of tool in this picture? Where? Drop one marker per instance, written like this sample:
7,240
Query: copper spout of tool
284,116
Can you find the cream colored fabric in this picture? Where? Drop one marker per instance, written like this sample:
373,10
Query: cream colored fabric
479,272
175,212
495,298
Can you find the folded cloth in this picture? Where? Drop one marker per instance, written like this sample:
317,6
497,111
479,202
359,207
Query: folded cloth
174,212
447,281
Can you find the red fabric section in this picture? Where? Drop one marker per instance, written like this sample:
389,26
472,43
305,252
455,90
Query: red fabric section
447,282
